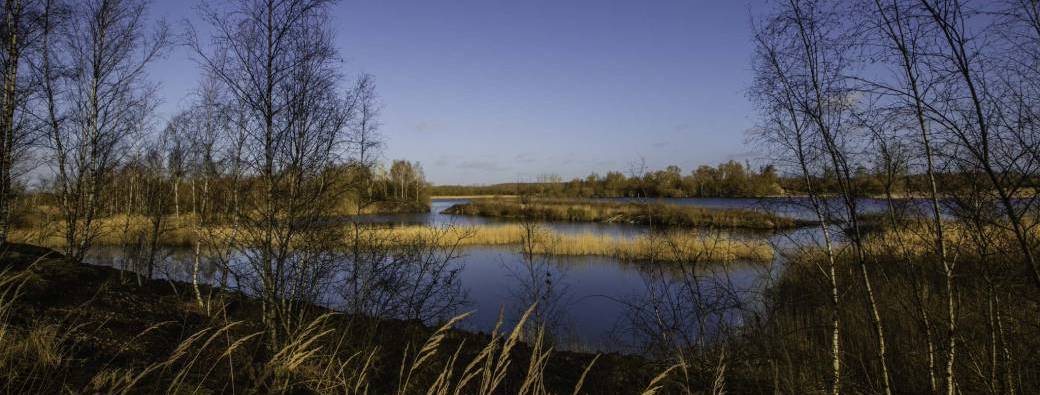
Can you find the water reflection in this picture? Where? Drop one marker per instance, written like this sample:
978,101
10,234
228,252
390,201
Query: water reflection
588,303
693,304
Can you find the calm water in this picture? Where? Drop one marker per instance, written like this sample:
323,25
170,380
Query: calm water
593,299
592,296
596,303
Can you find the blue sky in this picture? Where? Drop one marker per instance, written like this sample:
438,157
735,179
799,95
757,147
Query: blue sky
499,91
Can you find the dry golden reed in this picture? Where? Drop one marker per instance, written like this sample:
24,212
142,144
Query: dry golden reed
675,246
668,247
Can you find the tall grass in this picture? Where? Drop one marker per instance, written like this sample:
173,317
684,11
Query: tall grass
33,355
915,238
110,231
673,246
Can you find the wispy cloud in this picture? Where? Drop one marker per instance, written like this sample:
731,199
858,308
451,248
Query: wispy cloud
444,160
481,165
428,126
526,157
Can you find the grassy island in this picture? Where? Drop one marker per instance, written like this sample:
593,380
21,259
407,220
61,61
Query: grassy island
657,214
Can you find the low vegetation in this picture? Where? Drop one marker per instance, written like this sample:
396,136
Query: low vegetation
997,351
656,214
178,232
666,247
113,231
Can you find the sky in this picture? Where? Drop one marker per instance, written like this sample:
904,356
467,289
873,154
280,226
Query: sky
482,92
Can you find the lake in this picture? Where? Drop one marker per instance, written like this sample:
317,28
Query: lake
591,303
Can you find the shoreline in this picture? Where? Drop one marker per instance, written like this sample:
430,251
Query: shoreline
122,314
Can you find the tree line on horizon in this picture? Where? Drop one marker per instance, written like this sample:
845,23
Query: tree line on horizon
729,179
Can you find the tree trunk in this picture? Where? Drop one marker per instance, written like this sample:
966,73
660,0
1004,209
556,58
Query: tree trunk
13,10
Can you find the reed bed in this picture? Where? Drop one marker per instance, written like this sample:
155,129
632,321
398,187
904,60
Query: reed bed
659,214
667,247
452,197
674,246
116,230
916,239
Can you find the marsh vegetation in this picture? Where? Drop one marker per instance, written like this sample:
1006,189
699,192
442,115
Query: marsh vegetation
659,214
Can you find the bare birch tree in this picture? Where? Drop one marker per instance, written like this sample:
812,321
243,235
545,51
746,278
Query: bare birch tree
798,111
96,96
13,34
276,61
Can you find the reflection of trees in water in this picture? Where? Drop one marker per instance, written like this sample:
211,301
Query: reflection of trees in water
170,264
690,307
539,282
415,278
411,278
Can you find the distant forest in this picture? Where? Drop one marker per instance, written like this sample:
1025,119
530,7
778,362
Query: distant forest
729,179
